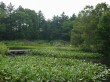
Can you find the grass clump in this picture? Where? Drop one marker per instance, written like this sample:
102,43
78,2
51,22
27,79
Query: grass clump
3,49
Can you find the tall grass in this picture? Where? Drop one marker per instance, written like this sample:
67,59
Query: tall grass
3,49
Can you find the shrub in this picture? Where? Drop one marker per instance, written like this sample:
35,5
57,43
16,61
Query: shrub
3,49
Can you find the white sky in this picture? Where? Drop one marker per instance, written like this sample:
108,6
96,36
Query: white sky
55,7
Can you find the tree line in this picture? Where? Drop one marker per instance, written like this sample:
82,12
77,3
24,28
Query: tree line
91,31
23,23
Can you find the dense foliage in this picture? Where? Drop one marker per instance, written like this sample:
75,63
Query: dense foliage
26,24
3,49
58,62
38,68
91,30
104,32
51,63
65,52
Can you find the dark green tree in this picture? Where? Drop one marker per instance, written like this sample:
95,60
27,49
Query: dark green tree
2,20
24,24
41,25
84,33
104,34
83,28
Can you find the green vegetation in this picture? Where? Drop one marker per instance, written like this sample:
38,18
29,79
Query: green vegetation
104,30
52,63
26,24
62,49
25,44
3,49
37,68
91,31
65,53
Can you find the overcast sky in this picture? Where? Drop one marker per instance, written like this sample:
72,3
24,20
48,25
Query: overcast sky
55,7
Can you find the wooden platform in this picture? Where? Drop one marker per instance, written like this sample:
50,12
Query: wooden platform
17,51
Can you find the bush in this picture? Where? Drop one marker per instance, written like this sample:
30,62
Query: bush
3,49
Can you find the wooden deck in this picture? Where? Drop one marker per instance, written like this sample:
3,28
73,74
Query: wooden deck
17,51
